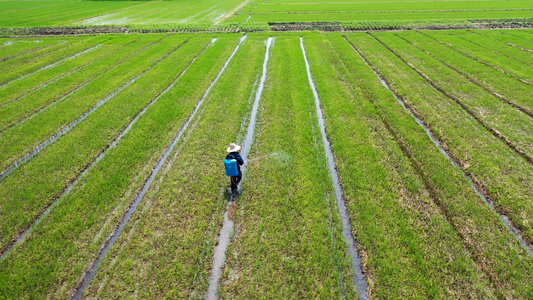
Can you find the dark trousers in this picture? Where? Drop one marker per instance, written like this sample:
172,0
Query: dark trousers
235,181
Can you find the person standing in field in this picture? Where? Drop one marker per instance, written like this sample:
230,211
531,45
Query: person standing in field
235,156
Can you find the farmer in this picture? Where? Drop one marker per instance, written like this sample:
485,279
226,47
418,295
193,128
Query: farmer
234,154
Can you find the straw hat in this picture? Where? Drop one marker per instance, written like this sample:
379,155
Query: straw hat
233,148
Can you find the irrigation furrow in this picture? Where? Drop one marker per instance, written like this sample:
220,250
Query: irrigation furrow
219,255
93,267
359,279
478,60
462,105
476,186
22,235
501,97
73,124
35,112
50,65
45,84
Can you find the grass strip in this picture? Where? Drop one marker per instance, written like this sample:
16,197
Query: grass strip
18,89
68,51
52,94
514,126
415,251
70,238
65,161
495,168
288,241
166,238
25,140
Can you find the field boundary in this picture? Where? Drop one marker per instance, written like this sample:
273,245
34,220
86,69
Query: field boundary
7,32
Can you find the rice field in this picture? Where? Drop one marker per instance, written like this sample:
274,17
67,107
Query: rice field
378,164
275,11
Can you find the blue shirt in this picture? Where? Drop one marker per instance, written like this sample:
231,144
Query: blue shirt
238,158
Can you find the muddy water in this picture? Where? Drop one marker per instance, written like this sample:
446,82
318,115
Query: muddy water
89,275
504,219
112,145
74,123
360,281
51,65
219,255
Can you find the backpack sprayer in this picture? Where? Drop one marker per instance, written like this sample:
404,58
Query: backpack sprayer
231,167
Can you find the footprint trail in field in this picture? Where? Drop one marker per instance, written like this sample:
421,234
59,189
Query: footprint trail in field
224,237
89,275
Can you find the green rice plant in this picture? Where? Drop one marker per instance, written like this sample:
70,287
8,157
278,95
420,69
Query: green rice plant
20,140
12,48
512,124
176,223
35,102
431,16
60,56
335,7
66,12
478,38
26,192
59,250
495,168
500,64
161,12
19,88
33,61
288,239
510,38
491,246
410,248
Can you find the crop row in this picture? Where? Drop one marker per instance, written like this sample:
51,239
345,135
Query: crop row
71,155
503,119
73,233
32,83
55,15
20,68
497,169
481,155
421,229
169,241
12,48
383,16
31,134
286,219
500,63
52,92
391,6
